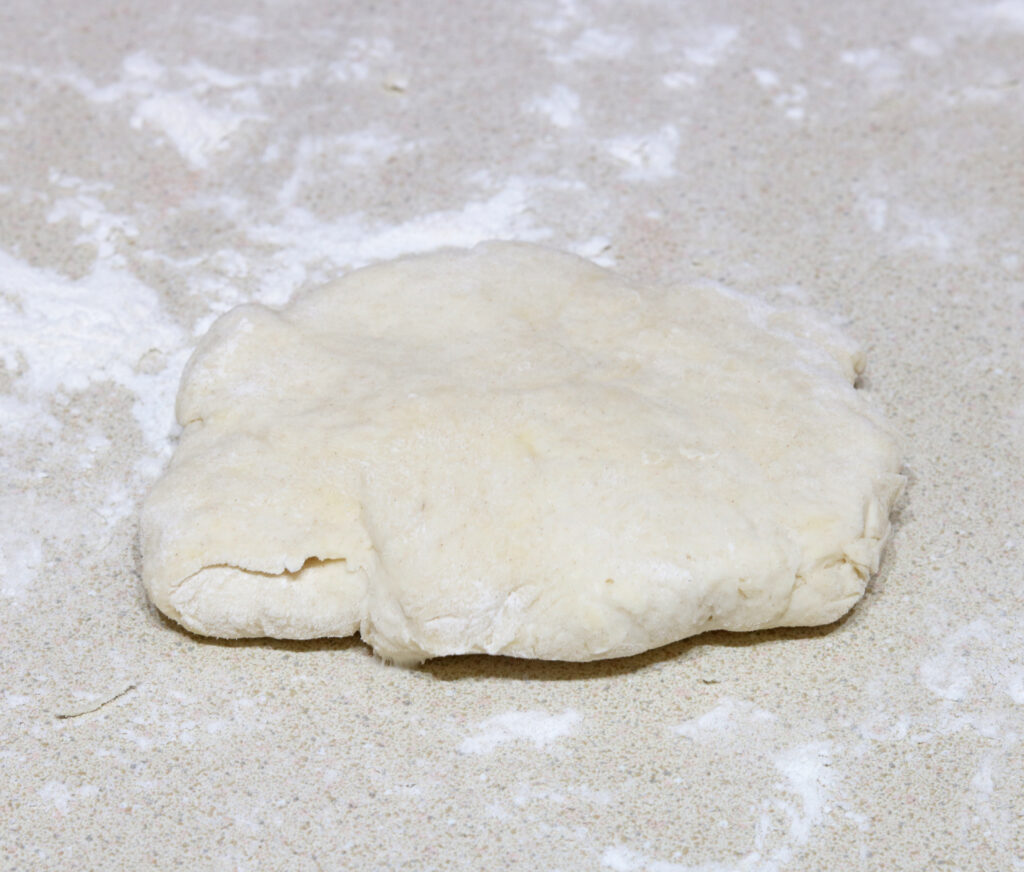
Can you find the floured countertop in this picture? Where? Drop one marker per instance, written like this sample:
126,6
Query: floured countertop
161,164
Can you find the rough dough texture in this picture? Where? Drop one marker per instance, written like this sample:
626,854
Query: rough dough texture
513,451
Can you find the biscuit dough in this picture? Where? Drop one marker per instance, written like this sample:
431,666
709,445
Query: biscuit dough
511,450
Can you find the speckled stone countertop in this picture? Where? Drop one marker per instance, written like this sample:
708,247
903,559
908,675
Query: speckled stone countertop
162,162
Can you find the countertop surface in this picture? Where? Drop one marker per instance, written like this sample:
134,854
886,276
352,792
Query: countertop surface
163,162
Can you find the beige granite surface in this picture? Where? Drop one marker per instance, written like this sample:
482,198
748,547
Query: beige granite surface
161,162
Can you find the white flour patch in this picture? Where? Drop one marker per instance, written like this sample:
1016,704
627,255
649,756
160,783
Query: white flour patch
363,148
875,210
597,249
82,206
990,780
715,44
883,727
537,727
20,559
61,797
679,79
806,769
1008,13
117,505
56,793
21,419
362,58
207,77
1015,686
924,46
881,71
58,334
564,13
196,108
981,782
196,131
619,858
560,105
650,157
358,149
726,717
285,77
523,794
306,244
244,26
765,78
891,212
791,102
976,670
862,59
758,744
595,44
948,673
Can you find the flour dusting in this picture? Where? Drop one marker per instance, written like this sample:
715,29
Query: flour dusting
195,107
729,715
595,44
649,157
1008,13
619,858
535,727
561,105
715,45
306,243
948,672
62,334
20,560
766,78
806,769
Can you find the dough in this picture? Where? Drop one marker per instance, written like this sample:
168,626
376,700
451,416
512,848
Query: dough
510,450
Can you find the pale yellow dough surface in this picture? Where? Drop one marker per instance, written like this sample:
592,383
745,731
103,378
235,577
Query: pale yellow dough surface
510,450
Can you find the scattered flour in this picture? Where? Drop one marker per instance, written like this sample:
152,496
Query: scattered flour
62,797
880,70
1015,686
790,811
679,79
948,672
59,334
195,107
363,58
561,105
537,727
809,778
924,46
594,44
1007,13
21,556
715,44
304,241
728,716
619,858
649,157
196,130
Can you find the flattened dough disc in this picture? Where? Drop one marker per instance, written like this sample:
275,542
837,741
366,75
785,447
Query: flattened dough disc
513,451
